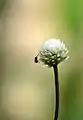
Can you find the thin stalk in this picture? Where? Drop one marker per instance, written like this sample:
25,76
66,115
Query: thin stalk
55,68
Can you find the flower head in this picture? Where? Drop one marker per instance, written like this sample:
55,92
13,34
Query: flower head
52,52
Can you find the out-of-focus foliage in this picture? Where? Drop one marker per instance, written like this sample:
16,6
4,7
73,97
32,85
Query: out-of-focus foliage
74,19
26,88
2,5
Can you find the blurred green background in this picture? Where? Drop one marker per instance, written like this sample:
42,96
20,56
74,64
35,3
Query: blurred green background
26,88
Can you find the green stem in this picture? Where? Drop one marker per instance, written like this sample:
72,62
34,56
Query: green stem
56,91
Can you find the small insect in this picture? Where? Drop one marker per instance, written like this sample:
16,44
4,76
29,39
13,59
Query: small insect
36,60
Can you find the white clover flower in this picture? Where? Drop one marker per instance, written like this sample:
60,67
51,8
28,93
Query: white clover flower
52,52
